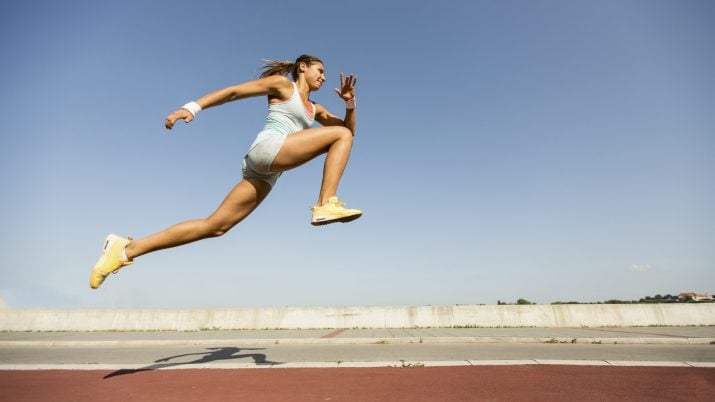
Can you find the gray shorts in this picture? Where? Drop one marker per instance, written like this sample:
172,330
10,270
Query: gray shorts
258,160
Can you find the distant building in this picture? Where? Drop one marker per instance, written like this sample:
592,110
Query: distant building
695,296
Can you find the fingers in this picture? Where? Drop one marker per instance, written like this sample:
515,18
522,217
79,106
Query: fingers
345,82
179,114
348,82
347,86
170,120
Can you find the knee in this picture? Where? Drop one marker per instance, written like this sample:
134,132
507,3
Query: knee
344,134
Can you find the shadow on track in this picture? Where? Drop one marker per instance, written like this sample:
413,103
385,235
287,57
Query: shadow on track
214,354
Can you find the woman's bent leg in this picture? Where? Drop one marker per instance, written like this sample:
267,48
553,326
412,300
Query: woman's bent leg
240,202
305,145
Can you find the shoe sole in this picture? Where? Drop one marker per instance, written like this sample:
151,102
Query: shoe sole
344,219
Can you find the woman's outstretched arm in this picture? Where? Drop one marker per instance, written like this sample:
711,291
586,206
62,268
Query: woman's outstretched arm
275,85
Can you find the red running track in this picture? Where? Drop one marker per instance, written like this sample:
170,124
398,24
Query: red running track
463,383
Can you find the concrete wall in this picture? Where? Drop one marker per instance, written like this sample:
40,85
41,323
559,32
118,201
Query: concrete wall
360,317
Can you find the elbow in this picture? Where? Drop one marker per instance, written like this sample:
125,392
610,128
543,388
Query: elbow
350,127
233,93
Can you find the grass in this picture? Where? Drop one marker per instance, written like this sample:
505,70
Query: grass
554,340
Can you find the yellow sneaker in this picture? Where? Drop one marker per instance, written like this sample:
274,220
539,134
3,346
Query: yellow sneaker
333,212
110,261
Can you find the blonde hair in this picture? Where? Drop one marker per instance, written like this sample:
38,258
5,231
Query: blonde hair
272,67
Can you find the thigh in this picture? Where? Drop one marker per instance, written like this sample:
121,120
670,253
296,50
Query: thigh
258,160
240,202
305,145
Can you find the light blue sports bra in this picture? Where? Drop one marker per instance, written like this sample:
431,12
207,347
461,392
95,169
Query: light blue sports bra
289,116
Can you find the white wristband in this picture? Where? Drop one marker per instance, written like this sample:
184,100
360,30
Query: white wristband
193,108
350,104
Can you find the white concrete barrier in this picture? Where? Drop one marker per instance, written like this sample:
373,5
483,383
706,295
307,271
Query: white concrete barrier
545,316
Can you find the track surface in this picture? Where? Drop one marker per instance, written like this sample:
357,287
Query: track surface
464,383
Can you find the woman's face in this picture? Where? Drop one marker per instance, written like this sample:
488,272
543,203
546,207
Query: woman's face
314,75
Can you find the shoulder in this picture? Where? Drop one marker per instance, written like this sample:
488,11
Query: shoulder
279,85
277,81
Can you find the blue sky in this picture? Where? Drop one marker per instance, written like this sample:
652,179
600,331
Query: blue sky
546,150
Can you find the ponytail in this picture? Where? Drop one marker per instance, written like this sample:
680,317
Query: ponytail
272,67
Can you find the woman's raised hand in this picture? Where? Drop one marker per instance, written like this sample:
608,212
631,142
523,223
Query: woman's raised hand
179,114
347,87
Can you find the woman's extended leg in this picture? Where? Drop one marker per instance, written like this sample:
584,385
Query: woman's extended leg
240,202
305,145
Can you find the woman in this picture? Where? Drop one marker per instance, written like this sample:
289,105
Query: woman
287,141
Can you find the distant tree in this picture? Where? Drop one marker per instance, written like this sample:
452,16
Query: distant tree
523,301
614,301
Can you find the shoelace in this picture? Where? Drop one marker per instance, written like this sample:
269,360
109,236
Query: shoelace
336,203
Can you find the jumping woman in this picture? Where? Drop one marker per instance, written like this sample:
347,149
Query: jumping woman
287,141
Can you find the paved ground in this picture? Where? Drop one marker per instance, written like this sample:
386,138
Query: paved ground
683,335
672,363
246,355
